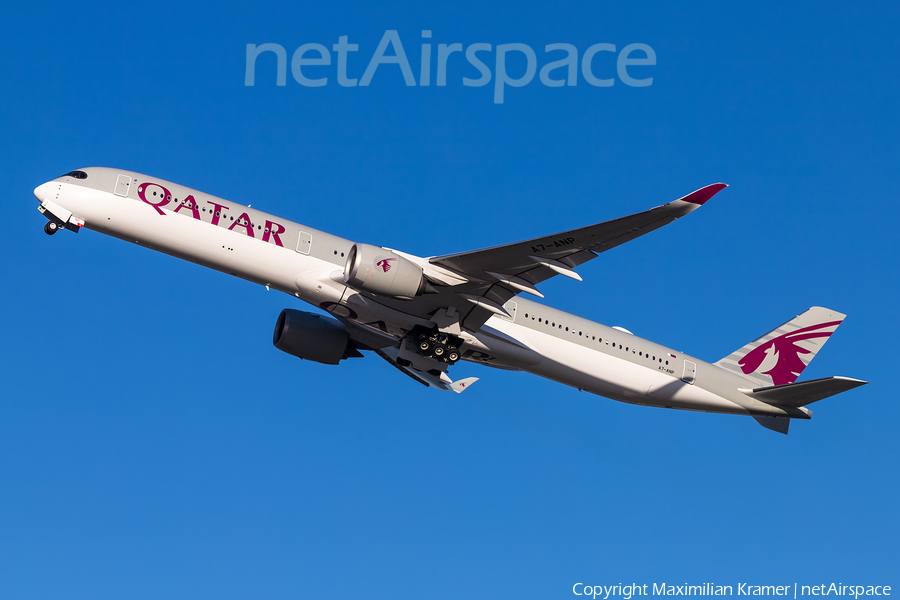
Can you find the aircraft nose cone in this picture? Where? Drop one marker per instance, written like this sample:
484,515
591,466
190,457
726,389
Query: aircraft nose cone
43,191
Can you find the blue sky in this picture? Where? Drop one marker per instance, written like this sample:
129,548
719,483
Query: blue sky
154,444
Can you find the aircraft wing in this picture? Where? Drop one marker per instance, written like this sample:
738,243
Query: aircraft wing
439,380
519,267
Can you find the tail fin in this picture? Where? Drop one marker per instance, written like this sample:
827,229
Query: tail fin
781,355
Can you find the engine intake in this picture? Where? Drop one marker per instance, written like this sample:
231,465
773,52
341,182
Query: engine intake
312,337
382,272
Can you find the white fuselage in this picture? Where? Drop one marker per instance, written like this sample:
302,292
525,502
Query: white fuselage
308,264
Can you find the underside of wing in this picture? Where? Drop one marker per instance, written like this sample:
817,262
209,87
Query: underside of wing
507,270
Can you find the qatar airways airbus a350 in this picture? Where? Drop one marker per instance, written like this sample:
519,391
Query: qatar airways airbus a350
423,315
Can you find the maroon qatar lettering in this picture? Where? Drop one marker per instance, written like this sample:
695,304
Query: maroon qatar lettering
159,196
476,355
243,221
191,205
216,209
378,325
271,231
336,308
144,193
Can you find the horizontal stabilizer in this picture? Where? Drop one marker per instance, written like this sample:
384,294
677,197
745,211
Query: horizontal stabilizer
804,392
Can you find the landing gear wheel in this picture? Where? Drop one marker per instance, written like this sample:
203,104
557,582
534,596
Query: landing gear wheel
50,228
436,345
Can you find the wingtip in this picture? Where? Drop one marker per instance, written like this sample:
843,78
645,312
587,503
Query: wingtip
856,381
463,384
703,194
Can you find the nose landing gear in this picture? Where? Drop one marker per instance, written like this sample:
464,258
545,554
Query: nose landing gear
59,218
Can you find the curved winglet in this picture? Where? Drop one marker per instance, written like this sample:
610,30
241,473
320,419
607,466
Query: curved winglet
703,194
463,384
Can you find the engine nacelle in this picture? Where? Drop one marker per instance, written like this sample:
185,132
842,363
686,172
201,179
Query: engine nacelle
379,271
312,337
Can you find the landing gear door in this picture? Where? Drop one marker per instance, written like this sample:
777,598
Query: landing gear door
123,186
690,372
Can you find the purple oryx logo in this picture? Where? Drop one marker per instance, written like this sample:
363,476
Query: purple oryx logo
385,264
779,358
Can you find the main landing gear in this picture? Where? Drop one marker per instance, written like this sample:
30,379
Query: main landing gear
51,227
439,346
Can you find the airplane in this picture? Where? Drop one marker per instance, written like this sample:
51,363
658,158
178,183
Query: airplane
423,315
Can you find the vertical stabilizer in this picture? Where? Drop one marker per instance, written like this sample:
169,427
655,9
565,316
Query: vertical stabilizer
781,355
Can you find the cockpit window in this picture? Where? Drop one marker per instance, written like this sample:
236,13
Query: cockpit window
76,174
